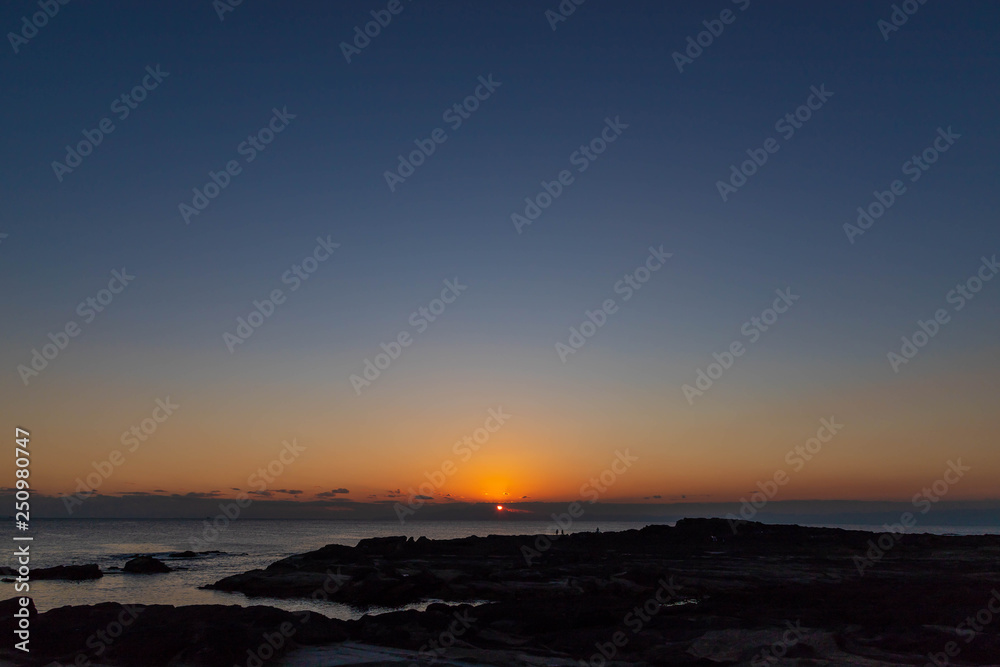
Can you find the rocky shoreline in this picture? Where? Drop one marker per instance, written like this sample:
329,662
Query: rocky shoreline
695,594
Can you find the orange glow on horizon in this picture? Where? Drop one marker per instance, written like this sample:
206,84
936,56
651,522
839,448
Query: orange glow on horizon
223,434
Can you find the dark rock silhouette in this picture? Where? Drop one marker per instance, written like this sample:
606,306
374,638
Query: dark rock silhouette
694,594
68,572
145,565
191,554
158,635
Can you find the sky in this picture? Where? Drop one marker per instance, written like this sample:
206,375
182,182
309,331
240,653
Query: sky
565,274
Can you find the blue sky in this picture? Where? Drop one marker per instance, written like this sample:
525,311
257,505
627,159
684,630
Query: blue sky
656,185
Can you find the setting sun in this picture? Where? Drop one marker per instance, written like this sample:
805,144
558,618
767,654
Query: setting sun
500,507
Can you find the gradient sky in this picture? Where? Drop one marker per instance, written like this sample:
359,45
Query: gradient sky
495,346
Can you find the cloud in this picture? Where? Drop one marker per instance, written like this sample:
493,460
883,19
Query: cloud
197,494
291,492
657,497
422,497
332,494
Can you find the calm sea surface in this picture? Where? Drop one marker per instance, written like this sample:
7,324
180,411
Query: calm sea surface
245,545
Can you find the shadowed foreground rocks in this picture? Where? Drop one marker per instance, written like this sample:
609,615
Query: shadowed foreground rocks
694,594
159,635
68,572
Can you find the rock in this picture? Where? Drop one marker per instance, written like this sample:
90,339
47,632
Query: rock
8,623
191,554
162,635
12,620
68,572
145,565
698,593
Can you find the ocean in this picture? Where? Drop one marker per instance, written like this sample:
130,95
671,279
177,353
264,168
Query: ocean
246,544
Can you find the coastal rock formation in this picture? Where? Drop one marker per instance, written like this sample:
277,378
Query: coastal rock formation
191,554
68,572
161,635
695,594
145,565
714,586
